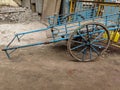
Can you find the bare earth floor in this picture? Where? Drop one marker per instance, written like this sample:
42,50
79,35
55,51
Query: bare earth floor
50,67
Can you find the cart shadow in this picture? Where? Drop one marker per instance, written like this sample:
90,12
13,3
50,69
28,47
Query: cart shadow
113,50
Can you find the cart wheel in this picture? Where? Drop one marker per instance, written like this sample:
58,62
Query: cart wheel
88,42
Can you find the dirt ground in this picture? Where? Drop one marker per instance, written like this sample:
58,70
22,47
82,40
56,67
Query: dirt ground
50,67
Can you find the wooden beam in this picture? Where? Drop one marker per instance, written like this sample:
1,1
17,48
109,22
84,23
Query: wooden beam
98,2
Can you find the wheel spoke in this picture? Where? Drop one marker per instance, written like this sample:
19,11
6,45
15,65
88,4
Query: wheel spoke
84,54
78,46
88,32
103,39
94,49
90,53
82,36
97,37
94,28
82,50
99,46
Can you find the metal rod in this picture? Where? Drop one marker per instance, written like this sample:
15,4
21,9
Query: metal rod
7,54
11,41
33,31
35,44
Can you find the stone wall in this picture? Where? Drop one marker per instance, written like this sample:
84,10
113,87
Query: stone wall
16,15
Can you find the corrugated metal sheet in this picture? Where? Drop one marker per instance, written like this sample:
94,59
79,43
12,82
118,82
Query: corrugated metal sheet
8,3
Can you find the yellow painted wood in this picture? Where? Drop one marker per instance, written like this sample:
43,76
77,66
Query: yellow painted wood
72,6
112,34
116,5
116,37
105,35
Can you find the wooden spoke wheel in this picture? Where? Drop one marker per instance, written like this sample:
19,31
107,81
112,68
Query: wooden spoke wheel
88,42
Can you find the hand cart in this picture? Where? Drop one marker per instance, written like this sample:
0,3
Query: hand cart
88,34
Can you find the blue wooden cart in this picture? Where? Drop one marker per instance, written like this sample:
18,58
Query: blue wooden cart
88,35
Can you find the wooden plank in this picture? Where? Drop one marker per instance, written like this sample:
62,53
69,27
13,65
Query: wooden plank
100,2
57,8
48,10
50,7
39,6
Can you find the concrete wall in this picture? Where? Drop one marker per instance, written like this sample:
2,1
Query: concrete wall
33,1
39,6
50,7
26,3
35,5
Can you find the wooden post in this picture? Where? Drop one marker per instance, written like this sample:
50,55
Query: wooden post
50,7
26,3
39,6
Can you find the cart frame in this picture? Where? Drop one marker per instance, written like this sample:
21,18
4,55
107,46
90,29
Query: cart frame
86,35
